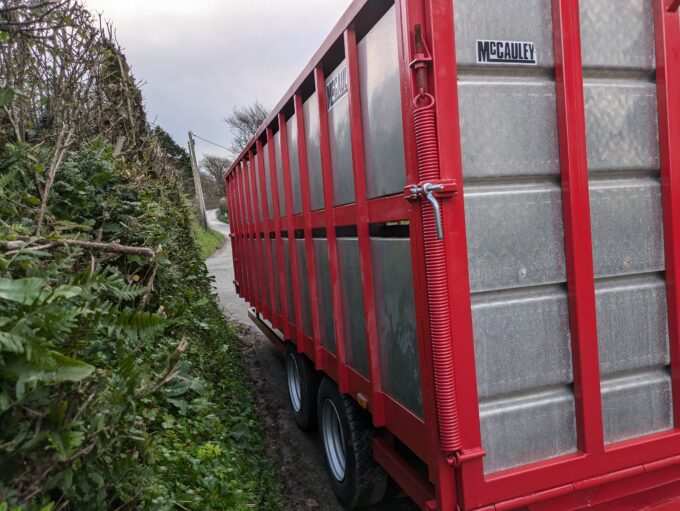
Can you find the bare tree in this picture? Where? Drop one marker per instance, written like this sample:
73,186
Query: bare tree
243,123
214,167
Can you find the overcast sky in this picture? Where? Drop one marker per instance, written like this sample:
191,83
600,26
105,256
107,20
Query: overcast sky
198,59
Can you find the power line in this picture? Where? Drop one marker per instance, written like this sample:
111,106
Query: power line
209,142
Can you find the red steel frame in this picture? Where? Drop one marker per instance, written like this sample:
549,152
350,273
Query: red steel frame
596,473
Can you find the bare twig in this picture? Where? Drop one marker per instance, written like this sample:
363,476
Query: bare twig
63,142
14,246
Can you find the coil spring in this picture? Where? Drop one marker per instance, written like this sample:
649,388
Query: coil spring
435,262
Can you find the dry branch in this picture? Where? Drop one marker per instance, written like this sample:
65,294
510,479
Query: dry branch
14,246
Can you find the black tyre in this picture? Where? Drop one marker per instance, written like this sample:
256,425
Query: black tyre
347,433
303,387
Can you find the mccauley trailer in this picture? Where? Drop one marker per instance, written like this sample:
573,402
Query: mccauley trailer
462,225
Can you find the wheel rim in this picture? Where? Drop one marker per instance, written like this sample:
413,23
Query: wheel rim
294,386
333,439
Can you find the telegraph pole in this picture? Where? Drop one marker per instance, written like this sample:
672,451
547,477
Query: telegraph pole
197,180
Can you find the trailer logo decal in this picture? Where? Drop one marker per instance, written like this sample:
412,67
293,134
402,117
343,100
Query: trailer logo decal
506,52
336,87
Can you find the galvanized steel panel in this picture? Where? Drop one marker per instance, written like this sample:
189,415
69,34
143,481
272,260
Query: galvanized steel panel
632,323
353,304
627,227
256,191
381,108
515,235
265,274
277,284
279,174
396,318
617,34
621,126
323,290
521,339
341,147
303,286
310,109
508,129
637,404
288,272
527,428
508,20
268,181
294,163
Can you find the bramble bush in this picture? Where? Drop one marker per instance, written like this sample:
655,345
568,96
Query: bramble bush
121,385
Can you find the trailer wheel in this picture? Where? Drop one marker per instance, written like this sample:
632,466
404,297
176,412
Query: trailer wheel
347,434
303,386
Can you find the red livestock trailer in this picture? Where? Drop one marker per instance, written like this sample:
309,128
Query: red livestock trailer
462,225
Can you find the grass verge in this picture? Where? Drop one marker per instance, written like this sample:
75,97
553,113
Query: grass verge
222,217
208,240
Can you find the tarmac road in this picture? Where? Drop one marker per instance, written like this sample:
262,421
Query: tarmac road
299,455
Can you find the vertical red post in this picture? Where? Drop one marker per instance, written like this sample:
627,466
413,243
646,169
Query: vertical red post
229,182
277,234
577,232
667,34
443,83
309,242
366,264
269,286
292,247
327,173
245,260
238,267
252,248
258,230
410,14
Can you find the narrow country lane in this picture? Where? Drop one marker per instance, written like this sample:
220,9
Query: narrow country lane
299,455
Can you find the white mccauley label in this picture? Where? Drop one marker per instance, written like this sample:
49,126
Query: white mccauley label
506,52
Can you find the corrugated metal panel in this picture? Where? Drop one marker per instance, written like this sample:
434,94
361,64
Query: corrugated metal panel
525,332
637,404
288,272
279,174
508,20
627,226
522,138
626,216
268,181
256,192
521,429
341,148
294,163
396,318
381,108
621,126
277,284
265,274
632,323
353,304
617,35
310,109
323,289
515,235
303,285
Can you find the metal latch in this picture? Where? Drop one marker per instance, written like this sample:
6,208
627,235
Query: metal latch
428,190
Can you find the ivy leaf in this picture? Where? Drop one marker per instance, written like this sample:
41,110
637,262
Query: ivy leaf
24,291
